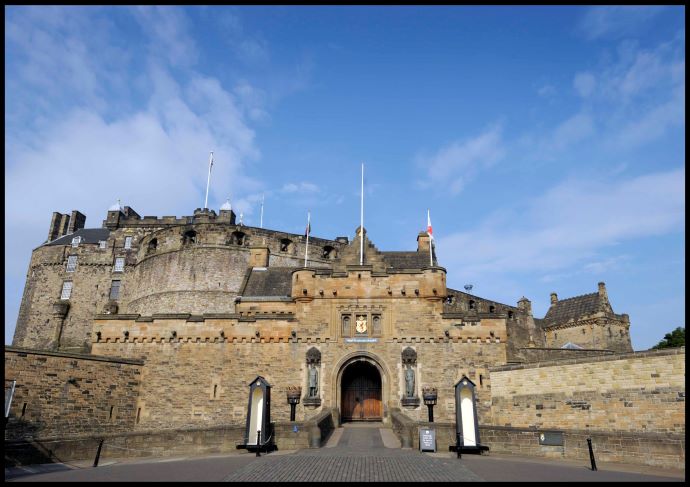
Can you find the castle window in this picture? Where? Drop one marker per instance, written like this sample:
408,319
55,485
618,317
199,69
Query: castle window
71,263
76,241
119,264
238,238
492,309
328,252
481,380
66,290
115,290
153,244
128,242
285,245
510,315
101,244
583,331
189,237
471,304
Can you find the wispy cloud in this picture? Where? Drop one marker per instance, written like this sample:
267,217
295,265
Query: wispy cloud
569,225
302,187
458,163
615,21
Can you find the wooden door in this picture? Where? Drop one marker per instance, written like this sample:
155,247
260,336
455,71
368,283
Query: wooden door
361,393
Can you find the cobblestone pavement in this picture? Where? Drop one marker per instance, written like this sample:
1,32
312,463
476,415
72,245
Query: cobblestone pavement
360,455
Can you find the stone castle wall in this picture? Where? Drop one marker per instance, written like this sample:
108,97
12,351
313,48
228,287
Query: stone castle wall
635,392
172,277
598,332
61,394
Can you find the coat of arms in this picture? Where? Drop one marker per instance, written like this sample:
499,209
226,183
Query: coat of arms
361,324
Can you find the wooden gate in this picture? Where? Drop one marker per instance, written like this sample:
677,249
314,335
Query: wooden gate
361,393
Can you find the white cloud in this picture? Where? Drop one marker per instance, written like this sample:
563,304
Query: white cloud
302,187
584,84
615,21
457,164
547,91
167,28
568,225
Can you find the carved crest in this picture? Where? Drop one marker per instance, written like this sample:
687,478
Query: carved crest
409,356
313,356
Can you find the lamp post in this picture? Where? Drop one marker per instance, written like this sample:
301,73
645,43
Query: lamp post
430,397
293,394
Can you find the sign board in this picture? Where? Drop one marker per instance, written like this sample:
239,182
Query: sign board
551,438
361,340
427,439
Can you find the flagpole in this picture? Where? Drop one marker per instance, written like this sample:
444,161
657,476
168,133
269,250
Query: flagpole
261,225
208,181
361,224
306,248
431,238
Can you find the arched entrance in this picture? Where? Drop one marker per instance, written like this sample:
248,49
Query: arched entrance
361,393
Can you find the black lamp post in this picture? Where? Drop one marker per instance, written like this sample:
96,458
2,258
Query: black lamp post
293,393
430,396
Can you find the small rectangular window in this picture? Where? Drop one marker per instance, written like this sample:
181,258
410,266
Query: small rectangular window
76,241
66,290
119,264
101,244
71,263
128,242
115,290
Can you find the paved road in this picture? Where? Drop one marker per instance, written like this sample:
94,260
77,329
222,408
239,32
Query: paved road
354,453
360,456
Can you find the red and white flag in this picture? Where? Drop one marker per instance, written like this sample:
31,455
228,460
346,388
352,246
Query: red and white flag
428,224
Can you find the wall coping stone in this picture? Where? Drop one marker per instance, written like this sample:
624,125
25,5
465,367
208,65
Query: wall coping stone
601,358
82,356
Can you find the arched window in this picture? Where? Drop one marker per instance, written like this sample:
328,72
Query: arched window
472,305
153,244
328,252
510,315
492,309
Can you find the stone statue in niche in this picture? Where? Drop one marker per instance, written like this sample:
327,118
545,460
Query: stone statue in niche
313,381
409,382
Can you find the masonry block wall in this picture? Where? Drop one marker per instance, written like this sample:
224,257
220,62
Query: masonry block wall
635,392
63,394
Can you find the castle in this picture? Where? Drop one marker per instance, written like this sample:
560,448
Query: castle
193,309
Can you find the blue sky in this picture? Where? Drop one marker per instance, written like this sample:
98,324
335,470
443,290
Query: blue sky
548,142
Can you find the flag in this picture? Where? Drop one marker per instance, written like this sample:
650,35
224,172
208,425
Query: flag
428,225
307,231
210,164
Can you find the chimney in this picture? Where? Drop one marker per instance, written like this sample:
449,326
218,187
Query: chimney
423,242
76,222
525,305
554,298
58,226
602,291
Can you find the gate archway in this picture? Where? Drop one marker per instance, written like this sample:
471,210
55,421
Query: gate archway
361,392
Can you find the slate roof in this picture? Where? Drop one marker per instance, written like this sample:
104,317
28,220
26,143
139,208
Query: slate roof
573,308
271,281
406,259
88,235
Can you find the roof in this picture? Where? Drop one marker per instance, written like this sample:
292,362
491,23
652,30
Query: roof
269,281
571,308
406,259
88,235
